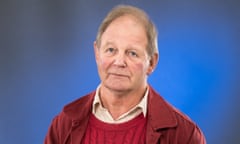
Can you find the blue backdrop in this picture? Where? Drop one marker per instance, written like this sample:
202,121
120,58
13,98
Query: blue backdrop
47,61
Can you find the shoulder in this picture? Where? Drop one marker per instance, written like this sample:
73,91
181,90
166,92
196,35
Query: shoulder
189,130
71,114
172,122
79,106
75,108
162,109
83,101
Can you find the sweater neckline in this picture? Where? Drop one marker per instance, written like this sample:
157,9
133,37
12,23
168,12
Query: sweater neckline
120,126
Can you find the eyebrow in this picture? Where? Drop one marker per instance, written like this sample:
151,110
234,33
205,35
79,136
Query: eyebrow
131,47
108,43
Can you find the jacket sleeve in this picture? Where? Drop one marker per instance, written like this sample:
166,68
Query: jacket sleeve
59,130
197,137
52,136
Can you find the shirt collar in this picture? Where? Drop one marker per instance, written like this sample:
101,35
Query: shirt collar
142,104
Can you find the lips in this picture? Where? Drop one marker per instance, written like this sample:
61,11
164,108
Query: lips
119,74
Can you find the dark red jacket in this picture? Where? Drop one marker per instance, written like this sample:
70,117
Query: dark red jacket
165,124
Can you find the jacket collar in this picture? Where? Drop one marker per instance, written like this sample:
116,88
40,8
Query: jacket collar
160,113
79,109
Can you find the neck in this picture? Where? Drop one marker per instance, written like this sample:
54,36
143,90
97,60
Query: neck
119,103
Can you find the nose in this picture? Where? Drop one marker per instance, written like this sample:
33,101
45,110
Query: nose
120,60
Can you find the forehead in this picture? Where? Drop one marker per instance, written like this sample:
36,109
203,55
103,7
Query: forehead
127,28
125,20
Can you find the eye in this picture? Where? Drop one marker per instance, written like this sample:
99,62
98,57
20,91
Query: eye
132,53
110,51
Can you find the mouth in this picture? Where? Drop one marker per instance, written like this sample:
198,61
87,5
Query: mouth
118,75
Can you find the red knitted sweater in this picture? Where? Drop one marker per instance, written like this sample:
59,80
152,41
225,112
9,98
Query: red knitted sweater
131,132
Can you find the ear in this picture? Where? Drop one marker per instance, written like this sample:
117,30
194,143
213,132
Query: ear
152,63
96,51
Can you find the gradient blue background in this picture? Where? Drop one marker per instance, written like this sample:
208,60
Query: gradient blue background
47,61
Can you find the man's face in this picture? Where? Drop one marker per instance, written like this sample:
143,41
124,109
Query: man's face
122,59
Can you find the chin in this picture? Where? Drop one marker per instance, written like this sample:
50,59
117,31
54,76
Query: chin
117,87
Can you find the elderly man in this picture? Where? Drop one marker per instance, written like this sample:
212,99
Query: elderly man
124,109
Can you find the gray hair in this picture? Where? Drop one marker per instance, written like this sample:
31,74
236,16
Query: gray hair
121,10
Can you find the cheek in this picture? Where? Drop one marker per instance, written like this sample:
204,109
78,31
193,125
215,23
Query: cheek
140,67
103,63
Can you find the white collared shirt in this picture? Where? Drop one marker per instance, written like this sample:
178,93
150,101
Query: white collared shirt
104,115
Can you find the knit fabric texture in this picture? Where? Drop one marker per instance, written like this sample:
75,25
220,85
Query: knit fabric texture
131,132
